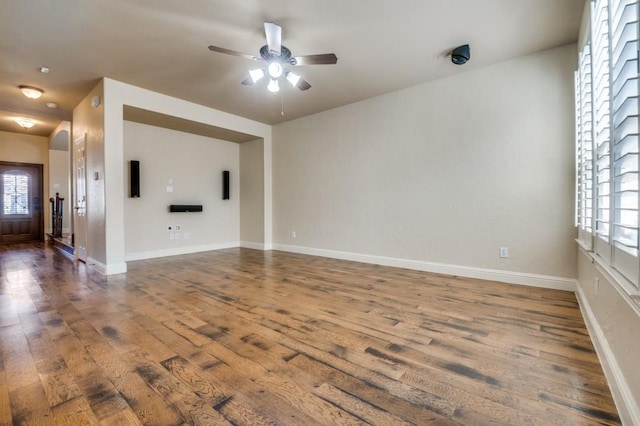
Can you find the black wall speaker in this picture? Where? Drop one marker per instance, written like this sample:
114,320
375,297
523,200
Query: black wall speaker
185,208
461,54
134,179
225,184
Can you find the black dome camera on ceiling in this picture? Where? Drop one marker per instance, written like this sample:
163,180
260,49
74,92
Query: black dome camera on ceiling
461,54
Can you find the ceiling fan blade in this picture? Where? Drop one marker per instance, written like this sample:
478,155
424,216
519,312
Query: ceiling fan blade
274,37
303,85
297,81
247,82
322,59
234,53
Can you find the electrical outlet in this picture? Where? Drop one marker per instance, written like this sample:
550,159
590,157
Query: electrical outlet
504,252
176,227
293,234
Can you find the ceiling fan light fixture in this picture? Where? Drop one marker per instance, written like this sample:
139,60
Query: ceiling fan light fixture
293,78
31,92
25,123
273,86
256,75
275,69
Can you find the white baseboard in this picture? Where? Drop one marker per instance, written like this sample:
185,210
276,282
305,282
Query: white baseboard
179,250
628,408
112,269
252,245
96,266
534,280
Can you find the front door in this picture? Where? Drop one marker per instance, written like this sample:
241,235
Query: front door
21,218
80,199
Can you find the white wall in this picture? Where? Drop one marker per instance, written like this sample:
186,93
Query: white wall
193,164
443,173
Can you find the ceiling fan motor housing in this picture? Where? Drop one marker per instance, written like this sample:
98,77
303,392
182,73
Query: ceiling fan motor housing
267,55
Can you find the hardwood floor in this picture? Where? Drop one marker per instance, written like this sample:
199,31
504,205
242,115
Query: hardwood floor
247,337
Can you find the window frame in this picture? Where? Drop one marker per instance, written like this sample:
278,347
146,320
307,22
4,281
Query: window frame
616,199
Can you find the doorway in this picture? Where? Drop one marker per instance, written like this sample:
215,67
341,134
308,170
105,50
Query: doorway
21,217
80,198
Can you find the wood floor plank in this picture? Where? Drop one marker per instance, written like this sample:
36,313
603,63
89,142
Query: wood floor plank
250,337
148,406
5,405
29,405
74,412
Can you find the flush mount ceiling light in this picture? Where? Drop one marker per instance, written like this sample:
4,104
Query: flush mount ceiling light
25,123
277,58
31,92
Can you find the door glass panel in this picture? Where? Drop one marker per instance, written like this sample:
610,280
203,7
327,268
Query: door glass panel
15,194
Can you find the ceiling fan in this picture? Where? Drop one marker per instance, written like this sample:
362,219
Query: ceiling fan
277,59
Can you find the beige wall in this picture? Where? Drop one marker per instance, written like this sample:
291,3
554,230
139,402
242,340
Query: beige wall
192,165
444,172
89,121
24,148
119,94
60,170
252,193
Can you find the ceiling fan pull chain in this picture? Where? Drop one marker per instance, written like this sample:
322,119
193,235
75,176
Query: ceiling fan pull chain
282,107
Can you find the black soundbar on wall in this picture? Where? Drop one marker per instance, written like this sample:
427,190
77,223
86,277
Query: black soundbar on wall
185,208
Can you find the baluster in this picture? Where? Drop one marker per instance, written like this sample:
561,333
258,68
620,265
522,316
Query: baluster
53,216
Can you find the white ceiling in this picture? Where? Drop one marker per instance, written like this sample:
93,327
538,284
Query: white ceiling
161,45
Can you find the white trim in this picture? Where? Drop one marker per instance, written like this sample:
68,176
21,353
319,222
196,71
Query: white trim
534,280
116,268
96,266
252,245
179,250
628,408
112,269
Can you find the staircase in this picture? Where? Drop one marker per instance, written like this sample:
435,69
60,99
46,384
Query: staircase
63,242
